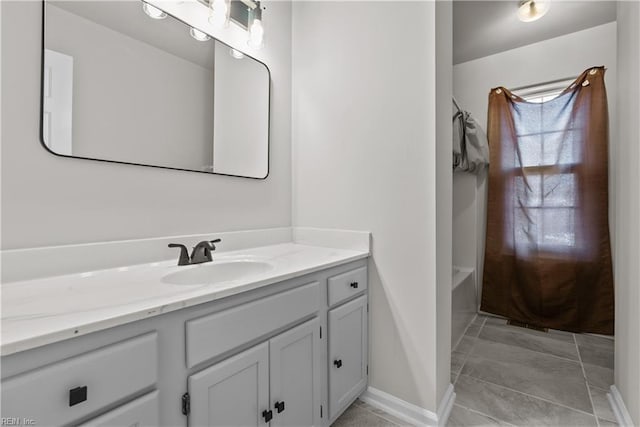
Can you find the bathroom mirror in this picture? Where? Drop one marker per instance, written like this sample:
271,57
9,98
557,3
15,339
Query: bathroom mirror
121,85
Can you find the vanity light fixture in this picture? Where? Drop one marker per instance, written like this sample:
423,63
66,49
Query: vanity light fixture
219,11
256,30
153,12
199,35
236,53
532,10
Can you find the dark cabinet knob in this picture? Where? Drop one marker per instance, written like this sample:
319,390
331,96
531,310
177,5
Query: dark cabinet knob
77,395
279,407
338,363
267,415
354,285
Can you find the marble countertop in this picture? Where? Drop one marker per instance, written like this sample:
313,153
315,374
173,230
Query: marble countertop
43,311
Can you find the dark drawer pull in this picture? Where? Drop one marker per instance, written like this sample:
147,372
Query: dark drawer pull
279,407
338,363
354,285
77,395
268,415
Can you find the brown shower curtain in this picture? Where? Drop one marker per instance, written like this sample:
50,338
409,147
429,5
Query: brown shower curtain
547,258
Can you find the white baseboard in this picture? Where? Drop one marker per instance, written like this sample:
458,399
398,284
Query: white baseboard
409,412
446,405
619,409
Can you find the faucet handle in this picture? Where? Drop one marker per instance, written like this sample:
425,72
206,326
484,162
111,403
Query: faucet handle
215,241
184,253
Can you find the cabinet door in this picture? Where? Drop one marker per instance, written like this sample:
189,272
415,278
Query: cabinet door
347,353
234,392
295,376
142,412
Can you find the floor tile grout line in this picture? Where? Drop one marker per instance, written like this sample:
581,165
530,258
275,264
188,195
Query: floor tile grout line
530,395
466,356
494,418
547,337
586,381
536,351
464,334
386,419
591,385
533,351
366,407
395,423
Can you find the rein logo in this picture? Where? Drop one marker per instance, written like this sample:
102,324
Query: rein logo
16,421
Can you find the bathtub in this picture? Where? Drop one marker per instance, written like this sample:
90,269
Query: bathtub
463,302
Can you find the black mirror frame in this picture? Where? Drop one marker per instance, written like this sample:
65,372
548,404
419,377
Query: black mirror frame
41,119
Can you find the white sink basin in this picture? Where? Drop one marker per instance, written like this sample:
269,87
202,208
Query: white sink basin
217,272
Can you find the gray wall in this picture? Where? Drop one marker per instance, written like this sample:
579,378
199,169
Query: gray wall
49,200
627,210
365,159
444,195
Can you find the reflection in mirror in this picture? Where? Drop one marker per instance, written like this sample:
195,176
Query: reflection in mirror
121,86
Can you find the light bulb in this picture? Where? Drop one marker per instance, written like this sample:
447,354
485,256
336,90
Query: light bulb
153,12
236,53
199,35
256,34
532,10
219,14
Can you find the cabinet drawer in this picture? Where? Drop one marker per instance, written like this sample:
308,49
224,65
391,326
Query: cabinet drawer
56,394
346,285
142,412
217,333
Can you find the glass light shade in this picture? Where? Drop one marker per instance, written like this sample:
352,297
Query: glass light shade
199,35
153,12
532,10
256,34
219,13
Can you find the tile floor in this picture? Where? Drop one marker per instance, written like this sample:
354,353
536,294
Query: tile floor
506,375
361,414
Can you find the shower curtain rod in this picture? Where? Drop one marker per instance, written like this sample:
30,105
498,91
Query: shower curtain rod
456,103
550,82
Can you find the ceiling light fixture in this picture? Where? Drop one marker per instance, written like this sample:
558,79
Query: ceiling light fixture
532,10
199,35
153,12
219,11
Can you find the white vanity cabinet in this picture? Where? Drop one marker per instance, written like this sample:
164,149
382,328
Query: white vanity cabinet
348,343
234,392
295,376
347,353
276,382
60,393
141,412
263,357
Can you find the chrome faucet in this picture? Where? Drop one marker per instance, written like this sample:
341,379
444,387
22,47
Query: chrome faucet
201,252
